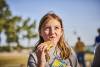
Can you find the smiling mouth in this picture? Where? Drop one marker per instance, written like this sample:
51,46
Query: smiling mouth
52,38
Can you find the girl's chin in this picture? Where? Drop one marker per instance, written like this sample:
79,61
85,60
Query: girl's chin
55,43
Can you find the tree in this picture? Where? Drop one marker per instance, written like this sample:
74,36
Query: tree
29,29
11,31
8,24
4,15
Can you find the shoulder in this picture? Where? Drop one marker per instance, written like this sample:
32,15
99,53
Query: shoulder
73,59
32,60
73,54
32,56
97,37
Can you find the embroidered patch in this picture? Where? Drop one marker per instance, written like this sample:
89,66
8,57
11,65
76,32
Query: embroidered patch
58,63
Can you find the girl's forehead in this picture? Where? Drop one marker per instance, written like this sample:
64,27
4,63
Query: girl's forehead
51,22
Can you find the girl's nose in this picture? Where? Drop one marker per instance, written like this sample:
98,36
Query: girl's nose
52,30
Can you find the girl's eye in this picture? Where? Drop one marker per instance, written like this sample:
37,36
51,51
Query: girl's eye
46,28
56,27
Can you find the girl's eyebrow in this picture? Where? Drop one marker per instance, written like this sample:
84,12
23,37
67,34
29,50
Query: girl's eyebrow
54,26
58,26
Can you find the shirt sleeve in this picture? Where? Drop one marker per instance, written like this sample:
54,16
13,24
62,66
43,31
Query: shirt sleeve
73,59
32,62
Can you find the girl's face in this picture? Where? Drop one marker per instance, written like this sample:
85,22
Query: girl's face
51,30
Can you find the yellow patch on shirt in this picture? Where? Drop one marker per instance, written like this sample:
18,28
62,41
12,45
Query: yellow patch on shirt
58,63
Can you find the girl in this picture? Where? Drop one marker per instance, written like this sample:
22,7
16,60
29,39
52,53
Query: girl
60,55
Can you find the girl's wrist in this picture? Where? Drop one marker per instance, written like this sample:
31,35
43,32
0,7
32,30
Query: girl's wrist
40,65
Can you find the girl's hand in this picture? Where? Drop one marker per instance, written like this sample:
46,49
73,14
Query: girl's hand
40,52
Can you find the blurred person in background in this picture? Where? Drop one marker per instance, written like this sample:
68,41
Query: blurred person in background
97,39
96,60
80,51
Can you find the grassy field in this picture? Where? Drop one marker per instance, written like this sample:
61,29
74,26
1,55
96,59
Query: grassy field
13,59
16,59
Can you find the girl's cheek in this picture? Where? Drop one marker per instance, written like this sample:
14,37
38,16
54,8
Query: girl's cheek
46,32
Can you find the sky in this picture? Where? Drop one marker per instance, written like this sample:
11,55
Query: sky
80,17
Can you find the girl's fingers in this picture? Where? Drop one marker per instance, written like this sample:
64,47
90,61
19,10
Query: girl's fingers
41,48
44,48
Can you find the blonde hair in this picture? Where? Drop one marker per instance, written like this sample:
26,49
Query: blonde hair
62,45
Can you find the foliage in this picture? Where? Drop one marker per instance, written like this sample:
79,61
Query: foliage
9,24
5,48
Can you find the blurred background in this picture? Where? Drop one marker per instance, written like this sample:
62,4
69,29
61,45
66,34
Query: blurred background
19,21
